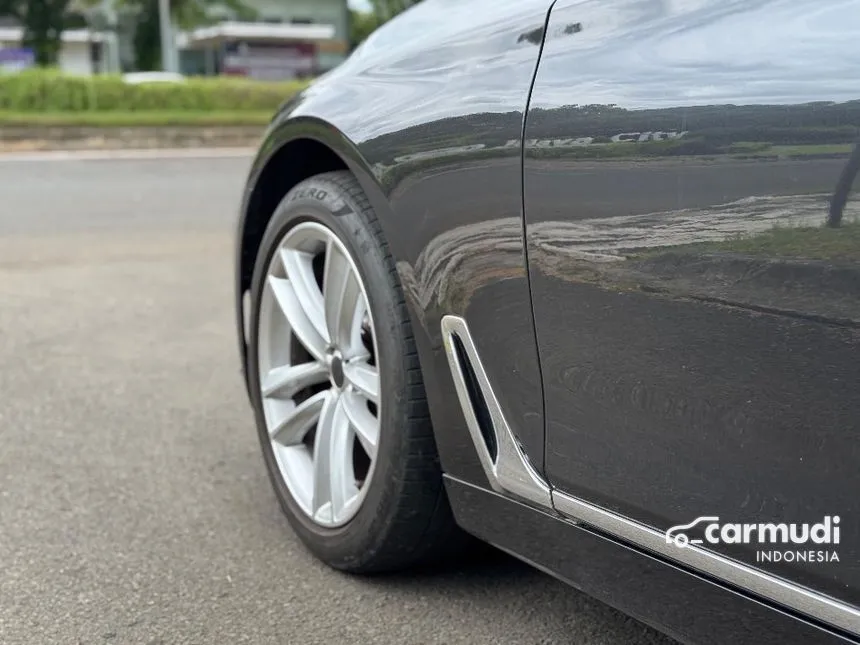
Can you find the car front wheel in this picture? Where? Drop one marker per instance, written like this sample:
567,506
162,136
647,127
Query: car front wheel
337,389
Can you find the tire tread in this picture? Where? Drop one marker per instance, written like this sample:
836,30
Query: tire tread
420,529
408,543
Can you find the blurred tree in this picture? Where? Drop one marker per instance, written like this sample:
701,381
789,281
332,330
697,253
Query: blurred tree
186,14
75,20
361,25
147,37
385,10
43,22
365,23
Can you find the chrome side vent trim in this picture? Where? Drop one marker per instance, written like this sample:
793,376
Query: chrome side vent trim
477,400
509,472
503,460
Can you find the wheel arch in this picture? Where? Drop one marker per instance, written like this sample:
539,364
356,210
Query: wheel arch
293,150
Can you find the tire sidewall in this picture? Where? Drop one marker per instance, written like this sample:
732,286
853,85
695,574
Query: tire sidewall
323,201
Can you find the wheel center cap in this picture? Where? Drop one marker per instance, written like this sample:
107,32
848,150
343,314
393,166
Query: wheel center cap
335,368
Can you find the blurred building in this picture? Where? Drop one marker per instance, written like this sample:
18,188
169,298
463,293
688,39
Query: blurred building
84,51
289,39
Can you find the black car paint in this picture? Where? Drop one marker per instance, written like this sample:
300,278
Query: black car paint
684,380
429,114
687,606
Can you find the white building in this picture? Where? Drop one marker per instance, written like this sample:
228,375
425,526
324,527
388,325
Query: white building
295,38
259,50
289,39
77,52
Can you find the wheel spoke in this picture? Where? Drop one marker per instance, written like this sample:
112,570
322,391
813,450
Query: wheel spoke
366,425
361,320
313,296
291,430
333,481
294,311
287,381
364,379
341,293
300,272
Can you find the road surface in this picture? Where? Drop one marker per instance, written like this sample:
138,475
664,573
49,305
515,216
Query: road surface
134,506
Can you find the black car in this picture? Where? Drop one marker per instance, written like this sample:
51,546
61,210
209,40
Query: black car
581,279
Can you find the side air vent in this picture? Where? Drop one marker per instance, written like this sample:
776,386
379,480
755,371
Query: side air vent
507,467
479,404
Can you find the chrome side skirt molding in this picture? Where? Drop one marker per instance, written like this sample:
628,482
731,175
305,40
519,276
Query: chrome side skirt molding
509,470
510,473
779,590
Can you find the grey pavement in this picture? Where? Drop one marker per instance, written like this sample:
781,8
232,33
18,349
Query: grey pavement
134,507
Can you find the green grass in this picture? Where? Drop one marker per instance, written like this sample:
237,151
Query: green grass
130,119
813,243
768,149
811,149
50,91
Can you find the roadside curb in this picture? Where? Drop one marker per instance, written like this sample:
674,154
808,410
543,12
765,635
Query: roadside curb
138,154
22,139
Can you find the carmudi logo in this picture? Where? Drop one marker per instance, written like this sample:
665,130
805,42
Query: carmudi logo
819,539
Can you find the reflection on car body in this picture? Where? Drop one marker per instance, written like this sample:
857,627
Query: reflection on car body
644,228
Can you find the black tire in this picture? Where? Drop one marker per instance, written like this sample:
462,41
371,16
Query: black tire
405,519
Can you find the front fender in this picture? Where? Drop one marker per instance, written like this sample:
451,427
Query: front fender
428,116
286,128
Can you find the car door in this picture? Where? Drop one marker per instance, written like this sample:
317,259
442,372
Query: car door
697,323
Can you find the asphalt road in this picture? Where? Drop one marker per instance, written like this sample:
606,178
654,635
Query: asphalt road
134,507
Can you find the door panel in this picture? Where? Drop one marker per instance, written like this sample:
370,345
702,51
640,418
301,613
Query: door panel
697,325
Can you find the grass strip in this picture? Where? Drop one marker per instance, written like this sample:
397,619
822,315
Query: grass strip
136,119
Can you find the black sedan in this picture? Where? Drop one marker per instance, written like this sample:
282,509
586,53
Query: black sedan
580,279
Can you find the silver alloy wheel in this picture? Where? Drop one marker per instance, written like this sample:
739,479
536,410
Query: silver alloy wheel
318,373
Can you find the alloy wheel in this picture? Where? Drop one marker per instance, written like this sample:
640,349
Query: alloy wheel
319,377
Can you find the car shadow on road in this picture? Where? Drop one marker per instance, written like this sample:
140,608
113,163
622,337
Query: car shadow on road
489,580
484,595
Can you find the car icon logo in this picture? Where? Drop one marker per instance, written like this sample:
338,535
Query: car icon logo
677,535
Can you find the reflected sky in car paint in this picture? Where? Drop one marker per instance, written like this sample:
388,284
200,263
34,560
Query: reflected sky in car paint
679,51
394,77
677,43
